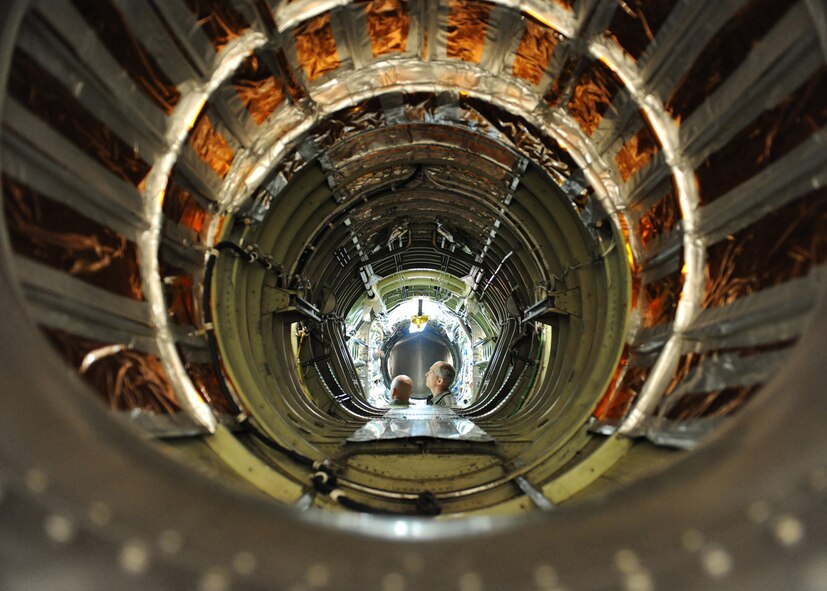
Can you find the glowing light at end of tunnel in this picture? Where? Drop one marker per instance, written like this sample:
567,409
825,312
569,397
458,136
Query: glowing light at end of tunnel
401,529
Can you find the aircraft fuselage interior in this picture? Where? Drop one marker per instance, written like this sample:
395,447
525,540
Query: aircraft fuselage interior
228,225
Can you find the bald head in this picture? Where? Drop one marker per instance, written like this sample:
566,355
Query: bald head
401,388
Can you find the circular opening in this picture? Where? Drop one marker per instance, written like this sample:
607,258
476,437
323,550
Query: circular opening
413,355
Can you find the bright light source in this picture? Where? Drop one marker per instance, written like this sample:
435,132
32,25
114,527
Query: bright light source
418,323
401,529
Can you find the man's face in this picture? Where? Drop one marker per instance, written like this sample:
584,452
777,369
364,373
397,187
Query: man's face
431,376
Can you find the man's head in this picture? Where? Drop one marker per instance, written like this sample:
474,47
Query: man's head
440,377
401,388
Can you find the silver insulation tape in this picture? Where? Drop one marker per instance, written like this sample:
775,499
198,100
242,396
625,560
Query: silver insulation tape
181,121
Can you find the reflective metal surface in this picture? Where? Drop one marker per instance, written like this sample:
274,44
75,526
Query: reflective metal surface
413,356
420,421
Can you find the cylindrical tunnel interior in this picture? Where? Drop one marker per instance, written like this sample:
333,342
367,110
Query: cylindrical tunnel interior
228,224
414,354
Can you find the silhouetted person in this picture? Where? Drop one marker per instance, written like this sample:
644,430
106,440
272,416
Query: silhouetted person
401,388
438,380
